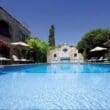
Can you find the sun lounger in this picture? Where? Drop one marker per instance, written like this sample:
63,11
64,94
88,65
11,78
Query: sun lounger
4,60
22,60
93,59
16,59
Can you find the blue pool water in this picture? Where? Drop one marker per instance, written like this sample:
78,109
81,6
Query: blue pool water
55,87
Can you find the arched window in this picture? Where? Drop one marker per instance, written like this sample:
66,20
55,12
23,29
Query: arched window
75,55
55,55
65,50
4,29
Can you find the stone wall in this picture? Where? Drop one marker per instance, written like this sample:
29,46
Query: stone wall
65,51
16,30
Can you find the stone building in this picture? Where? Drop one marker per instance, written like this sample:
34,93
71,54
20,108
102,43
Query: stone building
64,53
11,30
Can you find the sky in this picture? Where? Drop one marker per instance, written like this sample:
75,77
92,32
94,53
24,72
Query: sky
71,18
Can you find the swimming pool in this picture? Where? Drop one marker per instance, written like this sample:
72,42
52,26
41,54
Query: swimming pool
55,86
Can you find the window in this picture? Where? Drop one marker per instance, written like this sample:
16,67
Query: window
55,55
4,29
21,36
75,55
65,50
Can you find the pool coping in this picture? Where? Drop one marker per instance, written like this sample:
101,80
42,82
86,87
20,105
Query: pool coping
13,65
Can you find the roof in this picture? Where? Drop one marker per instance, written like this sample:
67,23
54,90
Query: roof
15,19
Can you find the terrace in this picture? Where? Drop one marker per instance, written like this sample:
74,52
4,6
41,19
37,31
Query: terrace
14,52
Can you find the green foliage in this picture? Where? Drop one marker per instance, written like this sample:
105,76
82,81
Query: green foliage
39,49
92,39
51,39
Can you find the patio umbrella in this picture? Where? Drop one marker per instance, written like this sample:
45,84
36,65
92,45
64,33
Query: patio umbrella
20,44
4,59
98,49
22,47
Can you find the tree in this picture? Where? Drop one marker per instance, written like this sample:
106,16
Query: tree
51,39
39,49
92,39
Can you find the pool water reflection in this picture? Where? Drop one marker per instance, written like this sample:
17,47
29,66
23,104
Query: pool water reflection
55,86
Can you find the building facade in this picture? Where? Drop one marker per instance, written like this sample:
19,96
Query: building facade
11,30
64,53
